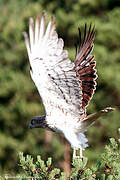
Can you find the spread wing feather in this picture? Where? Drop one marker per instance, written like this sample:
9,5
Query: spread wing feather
85,65
51,70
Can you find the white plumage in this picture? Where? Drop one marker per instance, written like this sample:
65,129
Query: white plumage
65,87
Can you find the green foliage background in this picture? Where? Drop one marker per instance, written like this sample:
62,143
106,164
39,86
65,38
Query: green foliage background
19,99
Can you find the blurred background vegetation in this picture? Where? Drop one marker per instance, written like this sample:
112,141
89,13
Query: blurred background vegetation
19,99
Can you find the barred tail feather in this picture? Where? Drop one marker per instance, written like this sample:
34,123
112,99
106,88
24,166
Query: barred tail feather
93,117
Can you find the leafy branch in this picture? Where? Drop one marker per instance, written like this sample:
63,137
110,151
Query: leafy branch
106,168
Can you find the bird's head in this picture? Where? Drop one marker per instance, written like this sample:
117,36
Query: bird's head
37,122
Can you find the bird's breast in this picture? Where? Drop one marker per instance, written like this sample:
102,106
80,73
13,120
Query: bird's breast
62,120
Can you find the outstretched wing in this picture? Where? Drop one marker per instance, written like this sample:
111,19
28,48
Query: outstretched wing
85,65
51,70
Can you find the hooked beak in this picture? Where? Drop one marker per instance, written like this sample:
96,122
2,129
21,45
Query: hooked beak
34,122
37,122
31,126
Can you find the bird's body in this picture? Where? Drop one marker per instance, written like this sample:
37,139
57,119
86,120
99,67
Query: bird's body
65,87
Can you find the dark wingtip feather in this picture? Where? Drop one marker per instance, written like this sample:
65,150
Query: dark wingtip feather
86,37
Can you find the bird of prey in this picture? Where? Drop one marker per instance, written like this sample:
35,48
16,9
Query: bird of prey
65,87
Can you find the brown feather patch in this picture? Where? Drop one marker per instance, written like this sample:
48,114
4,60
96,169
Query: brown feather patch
85,64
